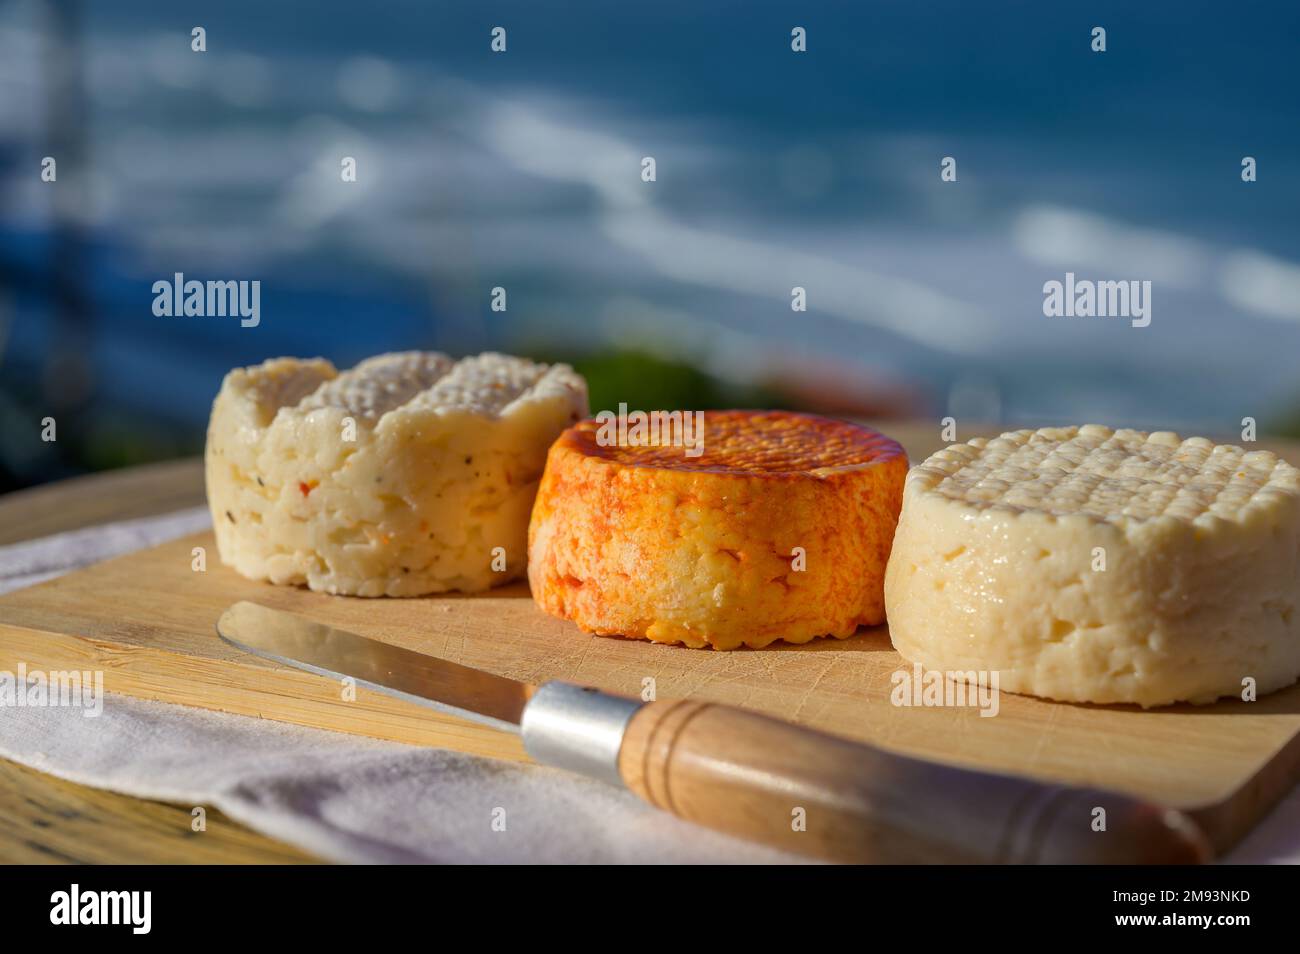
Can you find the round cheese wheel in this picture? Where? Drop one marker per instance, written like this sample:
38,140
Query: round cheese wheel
410,473
1091,565
778,527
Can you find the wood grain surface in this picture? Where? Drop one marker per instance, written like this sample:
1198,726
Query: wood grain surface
44,820
147,620
100,498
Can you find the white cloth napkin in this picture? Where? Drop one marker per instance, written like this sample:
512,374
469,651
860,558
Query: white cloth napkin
347,798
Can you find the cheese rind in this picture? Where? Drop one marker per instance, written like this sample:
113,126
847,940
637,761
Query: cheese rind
779,529
1091,565
409,474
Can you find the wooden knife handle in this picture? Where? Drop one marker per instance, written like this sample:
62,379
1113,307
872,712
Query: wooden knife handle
819,795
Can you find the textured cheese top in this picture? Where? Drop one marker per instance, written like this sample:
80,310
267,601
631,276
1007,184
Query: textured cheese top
490,383
280,382
487,384
1119,477
379,384
755,443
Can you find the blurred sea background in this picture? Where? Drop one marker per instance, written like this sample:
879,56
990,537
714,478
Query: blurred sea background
774,170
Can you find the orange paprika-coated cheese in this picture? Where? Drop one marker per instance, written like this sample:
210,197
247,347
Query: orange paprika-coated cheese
779,529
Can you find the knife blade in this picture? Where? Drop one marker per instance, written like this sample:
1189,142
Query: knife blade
567,726
445,686
746,773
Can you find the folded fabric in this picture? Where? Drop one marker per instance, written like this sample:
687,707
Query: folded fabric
346,798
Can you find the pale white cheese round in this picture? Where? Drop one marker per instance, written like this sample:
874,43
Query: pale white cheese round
411,473
1090,565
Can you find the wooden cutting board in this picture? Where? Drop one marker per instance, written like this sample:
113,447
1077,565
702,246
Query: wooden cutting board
147,620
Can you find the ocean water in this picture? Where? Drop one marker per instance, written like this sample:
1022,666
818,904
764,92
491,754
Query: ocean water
775,169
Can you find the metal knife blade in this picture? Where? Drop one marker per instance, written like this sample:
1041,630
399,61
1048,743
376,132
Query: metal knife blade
447,687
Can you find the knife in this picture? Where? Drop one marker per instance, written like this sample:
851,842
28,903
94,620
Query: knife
748,774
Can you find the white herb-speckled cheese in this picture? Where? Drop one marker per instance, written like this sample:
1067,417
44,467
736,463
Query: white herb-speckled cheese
411,473
1091,565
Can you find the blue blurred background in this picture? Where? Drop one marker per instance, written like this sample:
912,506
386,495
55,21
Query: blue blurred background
774,169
